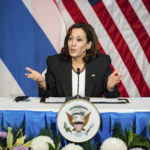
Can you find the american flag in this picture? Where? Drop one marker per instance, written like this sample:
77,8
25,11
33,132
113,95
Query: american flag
122,27
123,30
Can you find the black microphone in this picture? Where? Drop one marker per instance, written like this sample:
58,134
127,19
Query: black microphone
78,72
21,98
77,96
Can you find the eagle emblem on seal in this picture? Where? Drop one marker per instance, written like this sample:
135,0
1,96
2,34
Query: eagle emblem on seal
78,118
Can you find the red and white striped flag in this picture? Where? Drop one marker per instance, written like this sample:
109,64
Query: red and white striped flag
26,39
123,30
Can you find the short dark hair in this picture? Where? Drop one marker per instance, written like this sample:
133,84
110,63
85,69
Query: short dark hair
91,53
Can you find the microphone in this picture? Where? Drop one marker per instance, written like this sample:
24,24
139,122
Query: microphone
77,96
21,98
78,72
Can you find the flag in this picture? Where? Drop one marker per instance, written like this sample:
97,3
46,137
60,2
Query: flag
123,30
31,30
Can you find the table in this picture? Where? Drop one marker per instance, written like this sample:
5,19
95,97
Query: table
135,105
38,115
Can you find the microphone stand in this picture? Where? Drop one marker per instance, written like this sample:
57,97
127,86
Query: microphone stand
77,96
78,72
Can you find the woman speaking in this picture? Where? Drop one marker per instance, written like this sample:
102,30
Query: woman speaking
79,55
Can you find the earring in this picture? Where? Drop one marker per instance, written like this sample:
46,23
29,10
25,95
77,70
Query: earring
87,50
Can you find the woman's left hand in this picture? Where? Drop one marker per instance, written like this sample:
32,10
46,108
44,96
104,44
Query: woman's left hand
113,79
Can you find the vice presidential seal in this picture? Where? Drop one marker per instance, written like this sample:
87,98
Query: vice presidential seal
78,120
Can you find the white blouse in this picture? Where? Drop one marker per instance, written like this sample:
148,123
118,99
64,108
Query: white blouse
81,83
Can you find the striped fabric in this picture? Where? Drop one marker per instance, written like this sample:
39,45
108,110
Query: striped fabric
123,30
30,30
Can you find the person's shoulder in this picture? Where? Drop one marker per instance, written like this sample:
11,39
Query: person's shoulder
103,57
54,58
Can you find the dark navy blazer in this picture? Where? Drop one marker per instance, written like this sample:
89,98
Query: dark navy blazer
59,78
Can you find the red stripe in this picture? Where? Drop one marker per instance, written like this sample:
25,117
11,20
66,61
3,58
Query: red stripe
74,11
55,2
147,4
122,47
136,26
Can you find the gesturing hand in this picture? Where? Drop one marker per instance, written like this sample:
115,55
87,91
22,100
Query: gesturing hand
34,75
113,79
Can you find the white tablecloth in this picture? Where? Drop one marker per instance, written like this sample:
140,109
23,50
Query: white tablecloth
134,105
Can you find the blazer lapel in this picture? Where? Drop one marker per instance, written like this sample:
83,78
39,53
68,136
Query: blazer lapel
66,77
90,82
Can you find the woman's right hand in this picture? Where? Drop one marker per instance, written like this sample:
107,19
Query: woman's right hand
36,76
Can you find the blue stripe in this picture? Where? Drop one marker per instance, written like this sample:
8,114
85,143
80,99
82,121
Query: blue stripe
22,43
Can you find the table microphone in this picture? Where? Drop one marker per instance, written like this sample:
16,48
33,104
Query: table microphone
77,96
78,72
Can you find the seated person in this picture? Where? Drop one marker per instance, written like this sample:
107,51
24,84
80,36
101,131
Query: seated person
80,51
